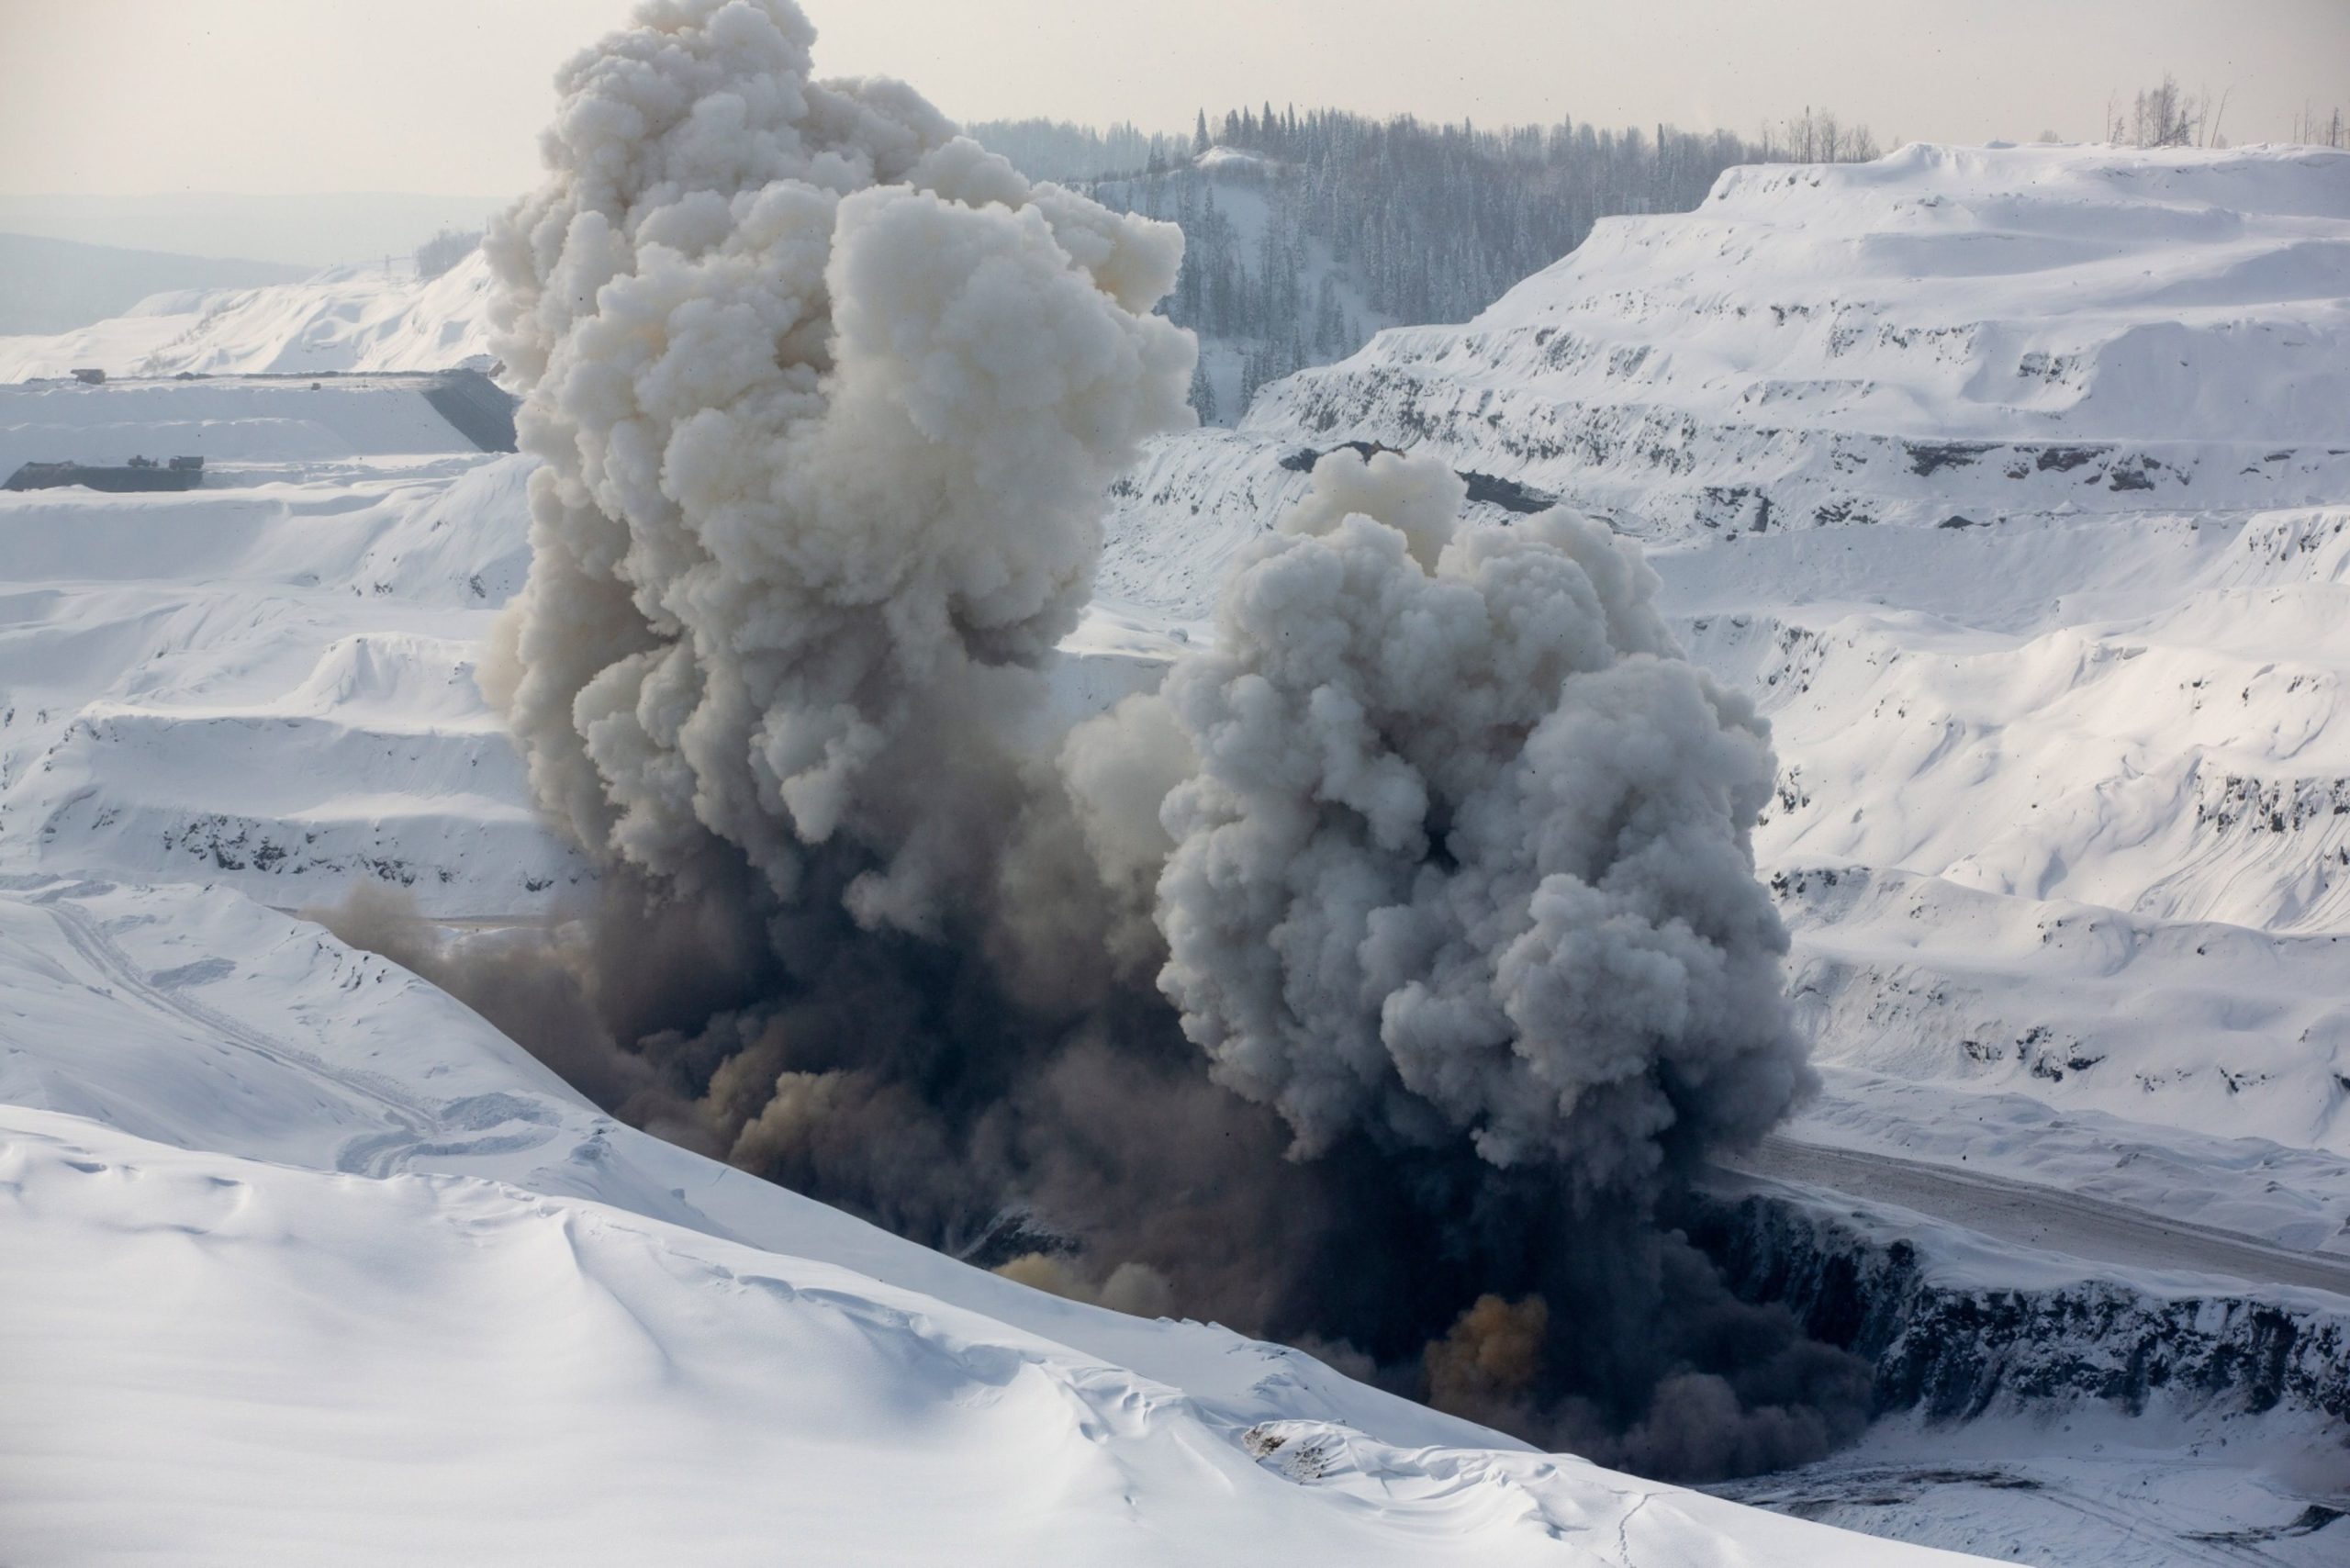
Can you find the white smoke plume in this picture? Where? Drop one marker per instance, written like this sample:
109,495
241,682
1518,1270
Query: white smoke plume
827,398
1467,855
1437,855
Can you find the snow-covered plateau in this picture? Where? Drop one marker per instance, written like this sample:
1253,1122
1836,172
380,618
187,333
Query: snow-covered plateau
2012,483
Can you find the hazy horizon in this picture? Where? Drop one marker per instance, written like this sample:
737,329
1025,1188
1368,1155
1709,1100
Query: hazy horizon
439,97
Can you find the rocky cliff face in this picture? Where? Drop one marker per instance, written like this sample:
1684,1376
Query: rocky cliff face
1955,1351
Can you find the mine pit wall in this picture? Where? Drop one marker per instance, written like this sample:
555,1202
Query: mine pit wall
1951,1353
480,410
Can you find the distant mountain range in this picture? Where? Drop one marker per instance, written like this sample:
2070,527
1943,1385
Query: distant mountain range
310,231
48,285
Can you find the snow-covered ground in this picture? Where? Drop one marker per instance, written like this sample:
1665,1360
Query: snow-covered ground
282,427
2063,830
307,1263
1950,336
267,680
2011,482
2065,804
345,318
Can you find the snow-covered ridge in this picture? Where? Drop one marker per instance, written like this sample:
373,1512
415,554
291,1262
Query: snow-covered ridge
268,690
2014,293
2008,482
2048,761
345,318
1948,333
240,1163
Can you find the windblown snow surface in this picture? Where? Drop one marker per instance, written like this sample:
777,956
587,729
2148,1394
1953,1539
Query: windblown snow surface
309,1264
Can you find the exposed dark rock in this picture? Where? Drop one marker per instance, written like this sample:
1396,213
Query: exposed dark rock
2065,459
1928,456
1957,1353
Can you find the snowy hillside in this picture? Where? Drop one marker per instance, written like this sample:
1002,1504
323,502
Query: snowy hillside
2051,659
2009,482
2059,827
239,1160
2099,714
554,1339
1949,335
345,318
268,679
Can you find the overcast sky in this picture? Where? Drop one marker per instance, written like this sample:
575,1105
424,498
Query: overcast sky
133,96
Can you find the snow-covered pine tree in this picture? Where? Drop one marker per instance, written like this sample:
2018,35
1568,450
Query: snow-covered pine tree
1203,394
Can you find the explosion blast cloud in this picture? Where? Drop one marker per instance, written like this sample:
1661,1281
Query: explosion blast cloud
1370,985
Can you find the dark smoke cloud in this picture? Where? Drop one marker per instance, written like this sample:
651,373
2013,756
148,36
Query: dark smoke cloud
580,989
1370,988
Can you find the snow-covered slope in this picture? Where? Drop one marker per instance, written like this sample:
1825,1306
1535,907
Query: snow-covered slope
268,679
2058,808
345,318
2083,843
307,1263
2056,830
1949,335
2012,483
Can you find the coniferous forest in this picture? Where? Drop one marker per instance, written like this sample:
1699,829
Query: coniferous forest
1307,232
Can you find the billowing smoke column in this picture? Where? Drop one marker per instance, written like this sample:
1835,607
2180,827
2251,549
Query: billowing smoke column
827,398
1367,987
1467,854
1461,882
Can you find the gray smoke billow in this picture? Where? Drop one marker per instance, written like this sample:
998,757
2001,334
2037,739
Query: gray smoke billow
1466,854
826,399
1370,986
